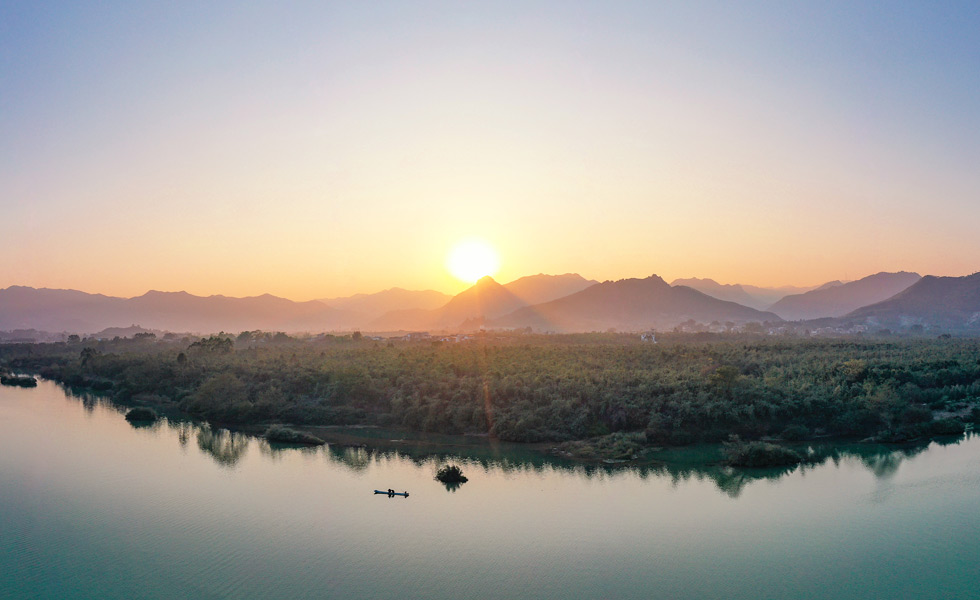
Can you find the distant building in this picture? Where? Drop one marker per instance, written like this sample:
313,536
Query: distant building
648,337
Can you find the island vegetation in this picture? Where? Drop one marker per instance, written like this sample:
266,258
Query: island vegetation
18,380
610,394
451,474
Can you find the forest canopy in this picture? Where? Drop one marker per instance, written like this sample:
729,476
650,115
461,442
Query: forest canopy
529,388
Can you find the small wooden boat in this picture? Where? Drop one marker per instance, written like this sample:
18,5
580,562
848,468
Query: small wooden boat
391,493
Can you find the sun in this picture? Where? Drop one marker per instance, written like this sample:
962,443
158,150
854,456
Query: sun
471,259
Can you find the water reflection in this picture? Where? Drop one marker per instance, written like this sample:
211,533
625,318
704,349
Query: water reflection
276,451
225,447
702,463
451,486
148,425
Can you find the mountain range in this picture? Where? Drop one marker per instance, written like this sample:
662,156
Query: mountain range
746,295
368,307
558,303
630,305
486,300
73,311
836,299
938,303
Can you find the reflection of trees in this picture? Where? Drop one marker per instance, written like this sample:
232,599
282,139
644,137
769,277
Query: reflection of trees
184,430
451,486
356,458
881,460
149,425
886,463
277,451
225,447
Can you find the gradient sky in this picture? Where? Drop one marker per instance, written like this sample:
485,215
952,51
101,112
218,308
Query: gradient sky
317,149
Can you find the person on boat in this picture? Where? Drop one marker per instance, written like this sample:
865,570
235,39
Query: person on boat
406,493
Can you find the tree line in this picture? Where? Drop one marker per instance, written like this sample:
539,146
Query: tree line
681,390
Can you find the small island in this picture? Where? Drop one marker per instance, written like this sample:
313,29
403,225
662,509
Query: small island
18,380
451,475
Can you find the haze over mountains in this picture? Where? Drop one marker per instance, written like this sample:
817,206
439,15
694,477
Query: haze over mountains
934,302
747,295
372,306
486,300
549,303
836,299
69,310
630,305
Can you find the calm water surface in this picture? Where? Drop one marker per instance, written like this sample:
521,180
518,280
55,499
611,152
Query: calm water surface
91,507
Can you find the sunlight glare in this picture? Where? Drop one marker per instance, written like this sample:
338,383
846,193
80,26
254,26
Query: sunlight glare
471,259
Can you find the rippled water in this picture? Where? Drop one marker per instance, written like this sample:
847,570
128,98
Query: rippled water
92,507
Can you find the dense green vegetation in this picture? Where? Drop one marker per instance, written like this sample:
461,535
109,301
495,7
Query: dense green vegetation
527,388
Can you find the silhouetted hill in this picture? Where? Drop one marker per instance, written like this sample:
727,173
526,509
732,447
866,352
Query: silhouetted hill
78,312
836,299
484,301
936,302
58,310
830,284
752,296
730,292
487,299
372,306
630,305
536,289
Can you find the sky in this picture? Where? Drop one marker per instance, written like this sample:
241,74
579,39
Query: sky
318,149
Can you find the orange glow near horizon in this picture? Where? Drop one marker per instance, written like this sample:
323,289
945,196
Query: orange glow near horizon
351,146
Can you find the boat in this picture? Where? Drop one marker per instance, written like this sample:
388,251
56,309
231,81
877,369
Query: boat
405,494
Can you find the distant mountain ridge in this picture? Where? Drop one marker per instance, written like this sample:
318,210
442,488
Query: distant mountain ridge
836,299
79,312
484,301
559,303
730,292
943,303
372,306
630,305
535,289
756,297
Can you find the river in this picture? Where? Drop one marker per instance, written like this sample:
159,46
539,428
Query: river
93,507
